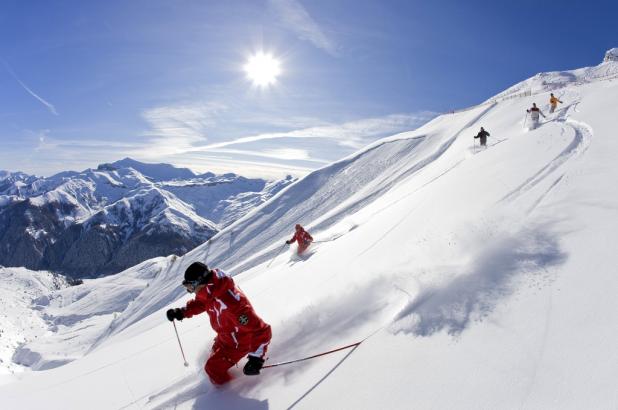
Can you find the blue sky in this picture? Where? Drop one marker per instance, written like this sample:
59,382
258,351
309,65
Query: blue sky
162,81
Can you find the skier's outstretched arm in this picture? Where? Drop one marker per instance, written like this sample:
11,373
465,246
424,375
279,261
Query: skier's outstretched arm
194,307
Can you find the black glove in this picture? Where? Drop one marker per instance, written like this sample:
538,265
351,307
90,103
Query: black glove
253,366
288,242
177,314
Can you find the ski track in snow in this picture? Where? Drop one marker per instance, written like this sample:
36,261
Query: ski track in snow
385,234
581,141
316,385
195,390
423,164
463,302
540,199
541,352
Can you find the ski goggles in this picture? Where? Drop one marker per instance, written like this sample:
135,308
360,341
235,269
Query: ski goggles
190,285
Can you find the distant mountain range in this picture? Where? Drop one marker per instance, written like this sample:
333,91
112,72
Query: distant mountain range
104,220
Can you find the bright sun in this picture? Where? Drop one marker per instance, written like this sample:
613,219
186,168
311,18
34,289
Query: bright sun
262,69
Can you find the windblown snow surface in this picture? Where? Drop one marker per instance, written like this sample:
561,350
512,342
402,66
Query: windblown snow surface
477,279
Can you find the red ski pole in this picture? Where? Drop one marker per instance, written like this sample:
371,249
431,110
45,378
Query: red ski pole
353,346
314,356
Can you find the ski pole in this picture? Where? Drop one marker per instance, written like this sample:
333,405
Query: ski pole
180,344
525,119
280,249
354,345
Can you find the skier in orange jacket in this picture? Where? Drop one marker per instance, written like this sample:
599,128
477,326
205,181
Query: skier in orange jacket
553,101
303,238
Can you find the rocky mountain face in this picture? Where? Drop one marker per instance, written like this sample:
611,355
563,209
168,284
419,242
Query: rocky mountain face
101,221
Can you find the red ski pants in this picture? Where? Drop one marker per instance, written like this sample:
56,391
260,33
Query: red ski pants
222,357
302,246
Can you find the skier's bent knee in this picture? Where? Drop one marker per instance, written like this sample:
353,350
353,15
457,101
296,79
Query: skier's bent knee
215,374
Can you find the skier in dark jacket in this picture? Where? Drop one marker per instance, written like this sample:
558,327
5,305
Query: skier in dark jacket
240,331
483,136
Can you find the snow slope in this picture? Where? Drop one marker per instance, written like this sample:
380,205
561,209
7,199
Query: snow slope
76,317
19,323
474,279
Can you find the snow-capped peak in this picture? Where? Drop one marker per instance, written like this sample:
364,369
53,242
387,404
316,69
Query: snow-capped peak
156,172
611,55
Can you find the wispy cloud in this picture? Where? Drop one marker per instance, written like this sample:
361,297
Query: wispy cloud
39,152
285,154
296,18
194,135
47,104
77,150
352,134
186,128
178,128
281,121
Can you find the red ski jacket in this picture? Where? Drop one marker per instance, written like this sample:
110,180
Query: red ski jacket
230,312
301,236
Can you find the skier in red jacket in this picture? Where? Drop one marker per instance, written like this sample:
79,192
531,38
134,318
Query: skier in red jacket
240,331
303,238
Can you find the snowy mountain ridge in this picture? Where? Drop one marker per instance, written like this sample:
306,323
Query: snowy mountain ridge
129,210
555,80
478,277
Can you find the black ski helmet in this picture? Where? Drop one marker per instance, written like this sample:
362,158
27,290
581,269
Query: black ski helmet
196,272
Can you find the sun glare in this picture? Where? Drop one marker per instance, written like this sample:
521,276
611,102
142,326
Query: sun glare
262,69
